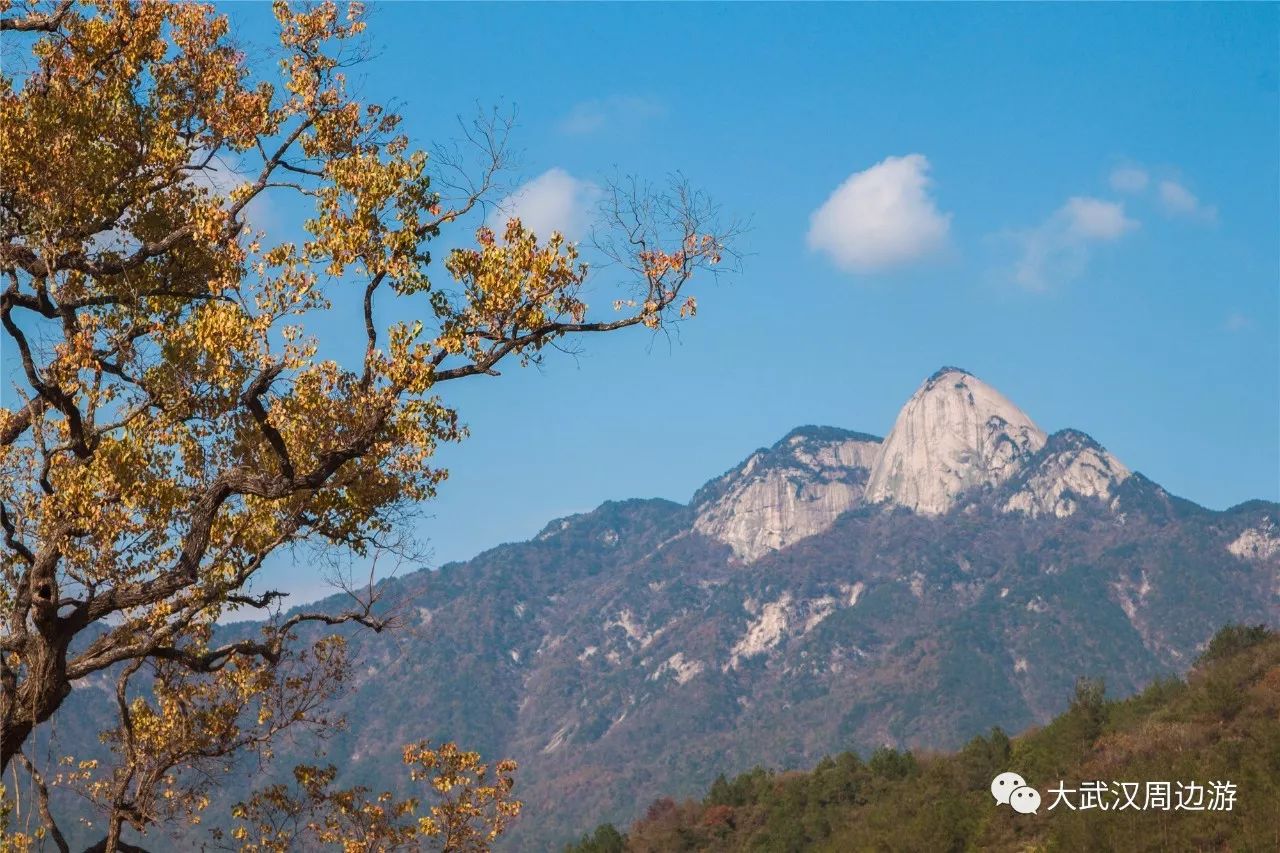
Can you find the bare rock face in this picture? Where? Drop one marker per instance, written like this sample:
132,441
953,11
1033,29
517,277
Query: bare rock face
1257,543
1071,466
789,492
954,434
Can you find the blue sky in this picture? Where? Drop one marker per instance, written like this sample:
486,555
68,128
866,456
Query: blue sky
1078,203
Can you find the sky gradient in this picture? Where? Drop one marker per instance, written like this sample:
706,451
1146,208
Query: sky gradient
1078,203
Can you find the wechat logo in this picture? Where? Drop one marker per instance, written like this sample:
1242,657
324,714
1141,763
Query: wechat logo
1010,789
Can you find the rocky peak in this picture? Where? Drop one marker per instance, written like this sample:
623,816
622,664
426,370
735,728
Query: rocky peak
787,492
1071,466
827,449
954,434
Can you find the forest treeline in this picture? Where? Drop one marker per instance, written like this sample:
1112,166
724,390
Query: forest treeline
1210,743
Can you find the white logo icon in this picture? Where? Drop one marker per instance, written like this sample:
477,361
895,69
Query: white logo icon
1025,800
1010,789
1004,784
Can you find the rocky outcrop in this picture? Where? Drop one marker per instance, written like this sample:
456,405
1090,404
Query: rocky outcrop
788,492
1072,466
956,433
1257,543
954,436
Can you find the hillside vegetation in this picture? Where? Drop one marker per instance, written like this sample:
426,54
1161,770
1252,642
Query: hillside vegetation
1221,724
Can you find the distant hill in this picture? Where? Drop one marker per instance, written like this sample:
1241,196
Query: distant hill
1220,725
832,592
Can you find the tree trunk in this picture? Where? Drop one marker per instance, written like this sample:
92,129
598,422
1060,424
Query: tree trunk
43,689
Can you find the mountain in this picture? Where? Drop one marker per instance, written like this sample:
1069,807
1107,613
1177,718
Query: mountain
832,592
1071,467
1222,724
791,491
955,434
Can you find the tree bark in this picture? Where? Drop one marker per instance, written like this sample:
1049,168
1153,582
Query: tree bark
44,688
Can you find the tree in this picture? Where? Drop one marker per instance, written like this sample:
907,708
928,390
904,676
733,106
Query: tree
1231,640
172,741
1088,709
176,419
471,808
887,763
605,839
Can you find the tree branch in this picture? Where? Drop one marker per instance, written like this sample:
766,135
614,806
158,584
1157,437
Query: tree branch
46,23
42,798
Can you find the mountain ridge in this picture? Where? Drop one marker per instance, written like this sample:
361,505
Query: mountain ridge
638,649
858,631
954,435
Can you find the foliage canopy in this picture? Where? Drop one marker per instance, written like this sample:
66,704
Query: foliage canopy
176,418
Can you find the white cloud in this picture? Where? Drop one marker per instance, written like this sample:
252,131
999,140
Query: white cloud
598,113
1177,200
1129,179
553,201
1059,249
880,217
1174,198
1095,219
220,177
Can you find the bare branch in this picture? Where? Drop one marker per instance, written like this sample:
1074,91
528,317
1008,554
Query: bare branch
42,800
467,169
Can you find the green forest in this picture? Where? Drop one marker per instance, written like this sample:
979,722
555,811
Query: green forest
1221,724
